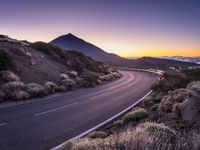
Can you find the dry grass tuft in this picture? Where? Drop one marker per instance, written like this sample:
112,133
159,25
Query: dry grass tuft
36,90
194,86
178,96
135,115
64,76
50,87
9,76
74,74
98,134
69,84
146,136
20,95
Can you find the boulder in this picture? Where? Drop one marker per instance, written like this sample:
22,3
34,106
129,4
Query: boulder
191,109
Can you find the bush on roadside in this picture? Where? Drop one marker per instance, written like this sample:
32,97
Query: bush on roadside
9,76
171,81
146,136
98,134
36,90
135,115
91,78
178,107
154,107
50,87
194,86
15,91
118,123
80,82
107,77
64,76
10,87
61,88
85,144
20,95
172,98
74,74
116,74
69,84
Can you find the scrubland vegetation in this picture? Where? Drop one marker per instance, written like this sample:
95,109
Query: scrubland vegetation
168,119
14,89
73,70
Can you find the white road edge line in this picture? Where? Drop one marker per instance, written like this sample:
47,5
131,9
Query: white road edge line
48,111
3,124
103,123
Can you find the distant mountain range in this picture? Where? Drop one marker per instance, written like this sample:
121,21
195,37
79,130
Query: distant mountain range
185,59
71,42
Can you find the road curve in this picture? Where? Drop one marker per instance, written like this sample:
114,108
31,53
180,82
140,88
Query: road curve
45,123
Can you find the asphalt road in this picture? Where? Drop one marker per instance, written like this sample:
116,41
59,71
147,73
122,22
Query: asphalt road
45,123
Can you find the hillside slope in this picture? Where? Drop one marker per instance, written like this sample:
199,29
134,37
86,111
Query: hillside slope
40,65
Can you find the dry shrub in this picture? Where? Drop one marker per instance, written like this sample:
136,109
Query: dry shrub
107,77
69,84
196,139
9,76
146,136
118,123
20,95
80,82
15,91
172,98
90,77
74,74
61,88
135,115
64,76
178,107
84,144
98,134
13,86
50,87
35,90
116,74
195,86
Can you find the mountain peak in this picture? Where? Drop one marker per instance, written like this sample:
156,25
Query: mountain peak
70,34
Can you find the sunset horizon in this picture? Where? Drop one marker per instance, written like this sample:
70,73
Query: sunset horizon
128,29
100,75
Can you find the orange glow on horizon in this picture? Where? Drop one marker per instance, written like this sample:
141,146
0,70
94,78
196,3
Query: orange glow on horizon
124,47
159,53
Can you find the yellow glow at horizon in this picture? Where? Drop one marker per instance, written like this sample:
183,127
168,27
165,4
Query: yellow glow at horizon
136,51
123,46
158,53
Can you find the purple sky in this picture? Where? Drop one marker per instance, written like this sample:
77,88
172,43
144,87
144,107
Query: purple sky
125,27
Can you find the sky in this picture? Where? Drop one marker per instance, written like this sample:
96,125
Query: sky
129,28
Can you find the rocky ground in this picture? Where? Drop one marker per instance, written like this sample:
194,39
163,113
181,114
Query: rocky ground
29,70
168,119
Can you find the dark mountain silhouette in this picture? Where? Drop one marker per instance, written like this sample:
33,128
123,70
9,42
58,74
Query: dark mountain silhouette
71,42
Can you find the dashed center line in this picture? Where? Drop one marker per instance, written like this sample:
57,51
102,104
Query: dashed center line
3,124
55,109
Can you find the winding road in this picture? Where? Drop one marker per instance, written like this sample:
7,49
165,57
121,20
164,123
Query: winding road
47,122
